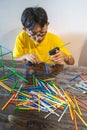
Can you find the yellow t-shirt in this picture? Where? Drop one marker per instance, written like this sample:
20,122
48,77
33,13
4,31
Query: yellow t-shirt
25,45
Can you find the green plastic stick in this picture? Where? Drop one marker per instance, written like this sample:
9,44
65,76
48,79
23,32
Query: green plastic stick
6,76
64,45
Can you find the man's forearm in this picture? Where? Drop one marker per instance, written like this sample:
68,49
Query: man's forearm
69,59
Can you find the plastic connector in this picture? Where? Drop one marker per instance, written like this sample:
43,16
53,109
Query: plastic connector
53,51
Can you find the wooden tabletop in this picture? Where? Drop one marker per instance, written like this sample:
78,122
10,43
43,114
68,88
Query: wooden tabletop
11,119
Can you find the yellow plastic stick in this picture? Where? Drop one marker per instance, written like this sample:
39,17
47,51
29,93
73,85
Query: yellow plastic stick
71,112
77,106
81,118
9,89
5,86
22,103
69,99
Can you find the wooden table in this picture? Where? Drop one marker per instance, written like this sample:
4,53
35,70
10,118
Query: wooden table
11,119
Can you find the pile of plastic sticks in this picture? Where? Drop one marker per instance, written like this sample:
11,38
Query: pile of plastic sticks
45,95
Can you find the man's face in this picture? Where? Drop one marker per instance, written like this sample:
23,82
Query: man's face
38,33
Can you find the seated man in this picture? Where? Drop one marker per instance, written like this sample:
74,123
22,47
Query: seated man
34,42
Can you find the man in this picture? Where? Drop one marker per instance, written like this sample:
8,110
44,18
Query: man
34,42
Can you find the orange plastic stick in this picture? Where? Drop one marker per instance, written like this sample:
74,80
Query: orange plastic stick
7,103
76,126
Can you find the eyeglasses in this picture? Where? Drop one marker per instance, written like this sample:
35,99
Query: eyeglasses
34,34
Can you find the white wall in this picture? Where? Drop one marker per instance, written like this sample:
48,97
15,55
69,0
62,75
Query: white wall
67,18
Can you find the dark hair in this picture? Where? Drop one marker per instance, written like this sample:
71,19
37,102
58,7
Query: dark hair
32,16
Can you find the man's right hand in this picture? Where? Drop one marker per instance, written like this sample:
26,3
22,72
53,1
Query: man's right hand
32,58
28,57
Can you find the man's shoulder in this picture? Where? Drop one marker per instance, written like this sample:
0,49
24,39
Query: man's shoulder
52,35
21,34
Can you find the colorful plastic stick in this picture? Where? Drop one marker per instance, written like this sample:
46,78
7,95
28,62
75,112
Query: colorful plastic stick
77,106
24,108
78,75
81,118
16,74
5,86
18,91
6,76
75,121
63,113
9,89
69,99
7,103
50,113
38,102
71,112
64,45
